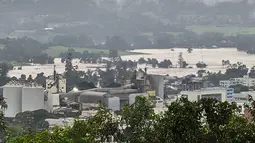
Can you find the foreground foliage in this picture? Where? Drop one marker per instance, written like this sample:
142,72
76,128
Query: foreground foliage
184,122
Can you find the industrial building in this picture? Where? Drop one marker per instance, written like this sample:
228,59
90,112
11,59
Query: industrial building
245,81
56,83
20,98
218,93
115,98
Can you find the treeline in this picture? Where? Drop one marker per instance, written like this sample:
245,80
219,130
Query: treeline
236,70
184,39
154,62
24,50
205,121
27,50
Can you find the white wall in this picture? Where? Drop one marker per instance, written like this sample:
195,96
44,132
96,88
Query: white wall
12,95
32,98
114,103
195,95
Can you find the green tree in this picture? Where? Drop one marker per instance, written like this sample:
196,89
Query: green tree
137,122
181,123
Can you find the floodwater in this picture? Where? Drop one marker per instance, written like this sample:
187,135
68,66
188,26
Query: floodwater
212,57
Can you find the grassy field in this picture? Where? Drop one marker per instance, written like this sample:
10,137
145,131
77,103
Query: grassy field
56,50
231,30
226,30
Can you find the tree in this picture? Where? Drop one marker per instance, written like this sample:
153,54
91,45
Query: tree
190,50
116,43
252,72
4,69
201,65
30,78
165,64
180,123
181,62
136,121
69,65
204,121
142,61
113,55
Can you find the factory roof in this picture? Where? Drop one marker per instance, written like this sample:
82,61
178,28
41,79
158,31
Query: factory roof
123,91
93,93
118,90
71,93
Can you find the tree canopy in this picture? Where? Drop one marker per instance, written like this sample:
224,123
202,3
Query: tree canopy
205,121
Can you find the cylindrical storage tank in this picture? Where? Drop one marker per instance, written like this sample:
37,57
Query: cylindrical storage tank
12,95
32,98
113,103
133,96
158,84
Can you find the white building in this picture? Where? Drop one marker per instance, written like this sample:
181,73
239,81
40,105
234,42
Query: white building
20,98
246,81
215,92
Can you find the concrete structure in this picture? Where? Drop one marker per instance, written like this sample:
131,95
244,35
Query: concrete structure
52,102
57,85
93,97
13,98
134,95
246,81
157,83
120,92
20,98
113,103
216,92
32,98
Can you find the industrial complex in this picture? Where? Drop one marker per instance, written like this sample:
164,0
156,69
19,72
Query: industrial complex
161,90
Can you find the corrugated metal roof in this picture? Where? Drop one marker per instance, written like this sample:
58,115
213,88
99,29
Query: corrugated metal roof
93,93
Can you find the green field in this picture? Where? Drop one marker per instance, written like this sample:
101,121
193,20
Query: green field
226,30
56,50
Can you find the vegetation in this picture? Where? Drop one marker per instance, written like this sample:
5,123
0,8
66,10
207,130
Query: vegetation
182,63
116,72
4,69
56,51
24,50
207,120
226,30
233,71
155,63
201,65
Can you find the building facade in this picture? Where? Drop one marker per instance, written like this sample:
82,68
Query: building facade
215,92
245,81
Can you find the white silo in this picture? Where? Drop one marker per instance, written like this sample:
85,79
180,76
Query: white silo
114,103
12,95
32,98
132,97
